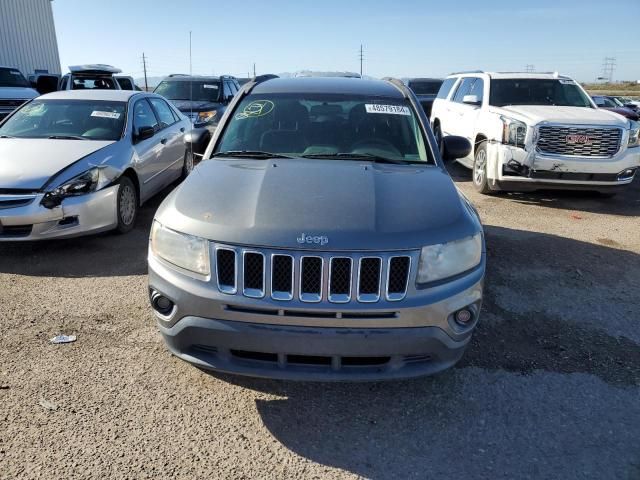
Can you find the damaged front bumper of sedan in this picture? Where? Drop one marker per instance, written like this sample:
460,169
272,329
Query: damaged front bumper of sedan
24,218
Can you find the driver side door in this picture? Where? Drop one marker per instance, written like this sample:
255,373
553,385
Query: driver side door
148,152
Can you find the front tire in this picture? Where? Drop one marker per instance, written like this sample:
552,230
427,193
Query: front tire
480,181
128,205
187,167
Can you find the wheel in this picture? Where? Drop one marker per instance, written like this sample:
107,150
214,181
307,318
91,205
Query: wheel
480,180
187,167
127,205
437,133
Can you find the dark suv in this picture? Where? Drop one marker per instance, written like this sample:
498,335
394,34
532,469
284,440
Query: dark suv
202,99
426,90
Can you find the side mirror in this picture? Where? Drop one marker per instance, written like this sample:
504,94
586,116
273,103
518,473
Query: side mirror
455,147
471,100
144,132
46,83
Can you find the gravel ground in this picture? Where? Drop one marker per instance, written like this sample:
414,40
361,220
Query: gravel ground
550,387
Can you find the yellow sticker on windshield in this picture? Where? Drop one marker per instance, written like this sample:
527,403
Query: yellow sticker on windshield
257,108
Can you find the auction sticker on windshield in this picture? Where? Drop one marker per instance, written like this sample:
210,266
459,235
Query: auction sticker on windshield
98,113
392,109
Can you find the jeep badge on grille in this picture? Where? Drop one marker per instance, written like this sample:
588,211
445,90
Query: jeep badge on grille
310,239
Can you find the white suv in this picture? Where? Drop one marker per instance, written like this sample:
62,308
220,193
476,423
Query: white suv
535,131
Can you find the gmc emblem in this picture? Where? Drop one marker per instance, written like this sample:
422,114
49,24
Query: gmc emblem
578,139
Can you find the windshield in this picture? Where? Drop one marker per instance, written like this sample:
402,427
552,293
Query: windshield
423,87
198,90
537,91
325,125
10,77
81,119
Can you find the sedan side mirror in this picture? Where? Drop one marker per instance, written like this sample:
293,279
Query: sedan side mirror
145,132
455,147
471,100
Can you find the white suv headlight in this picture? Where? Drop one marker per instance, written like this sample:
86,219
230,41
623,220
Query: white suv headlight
180,249
634,133
448,259
514,132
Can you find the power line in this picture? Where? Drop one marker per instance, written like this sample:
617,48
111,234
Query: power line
530,68
144,66
361,56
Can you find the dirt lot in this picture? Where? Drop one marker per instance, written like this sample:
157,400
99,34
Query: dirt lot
550,387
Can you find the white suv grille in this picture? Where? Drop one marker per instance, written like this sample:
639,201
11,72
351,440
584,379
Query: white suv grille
578,141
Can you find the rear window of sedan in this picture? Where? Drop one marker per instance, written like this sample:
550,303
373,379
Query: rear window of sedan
72,119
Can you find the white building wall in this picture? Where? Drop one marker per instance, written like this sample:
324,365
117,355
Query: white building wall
28,36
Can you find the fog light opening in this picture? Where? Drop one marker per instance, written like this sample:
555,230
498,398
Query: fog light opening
463,317
161,304
626,174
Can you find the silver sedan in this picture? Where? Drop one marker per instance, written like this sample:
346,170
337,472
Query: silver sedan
80,162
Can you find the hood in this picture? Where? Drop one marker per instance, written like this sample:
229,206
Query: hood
185,106
27,163
534,114
13,93
357,205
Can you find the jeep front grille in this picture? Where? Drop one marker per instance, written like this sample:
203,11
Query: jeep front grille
312,277
578,141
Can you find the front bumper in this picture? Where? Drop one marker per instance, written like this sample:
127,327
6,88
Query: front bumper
267,338
82,215
559,172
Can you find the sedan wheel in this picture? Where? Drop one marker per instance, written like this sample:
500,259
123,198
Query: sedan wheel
127,205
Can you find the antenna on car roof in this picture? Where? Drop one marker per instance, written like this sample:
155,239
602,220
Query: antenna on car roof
190,87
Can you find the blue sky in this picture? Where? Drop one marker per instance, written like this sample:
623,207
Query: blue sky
401,38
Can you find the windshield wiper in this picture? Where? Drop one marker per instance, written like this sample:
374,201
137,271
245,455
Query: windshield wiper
363,156
66,137
250,154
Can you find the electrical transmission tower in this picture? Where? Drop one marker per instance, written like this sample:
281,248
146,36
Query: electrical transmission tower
608,66
530,68
361,56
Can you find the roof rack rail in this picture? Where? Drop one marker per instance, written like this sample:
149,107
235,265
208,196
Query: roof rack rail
467,71
399,84
178,75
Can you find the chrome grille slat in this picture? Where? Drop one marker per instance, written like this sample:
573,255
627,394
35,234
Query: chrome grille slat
253,274
369,276
603,142
305,276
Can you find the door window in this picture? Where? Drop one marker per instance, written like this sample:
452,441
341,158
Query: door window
164,112
443,93
463,89
477,89
143,116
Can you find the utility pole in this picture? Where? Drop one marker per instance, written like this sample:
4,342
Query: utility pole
361,55
144,67
530,68
254,70
608,66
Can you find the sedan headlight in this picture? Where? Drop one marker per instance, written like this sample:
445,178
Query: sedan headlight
514,132
180,249
449,259
634,133
206,117
87,182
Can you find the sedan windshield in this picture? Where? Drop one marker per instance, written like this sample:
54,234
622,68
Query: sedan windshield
201,91
326,126
10,77
67,119
537,91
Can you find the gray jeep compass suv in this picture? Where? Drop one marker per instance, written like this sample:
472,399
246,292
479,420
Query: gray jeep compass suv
322,238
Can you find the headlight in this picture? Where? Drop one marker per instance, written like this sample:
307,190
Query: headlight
633,136
514,132
448,259
206,117
180,249
87,182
